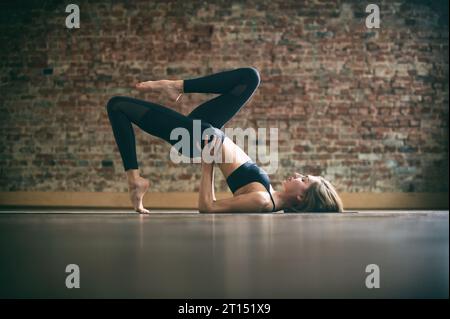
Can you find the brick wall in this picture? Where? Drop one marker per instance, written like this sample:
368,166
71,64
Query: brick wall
367,108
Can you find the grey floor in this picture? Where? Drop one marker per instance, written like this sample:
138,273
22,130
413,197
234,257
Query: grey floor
182,254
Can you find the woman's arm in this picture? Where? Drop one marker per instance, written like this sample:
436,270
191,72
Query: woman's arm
212,185
254,202
206,193
207,203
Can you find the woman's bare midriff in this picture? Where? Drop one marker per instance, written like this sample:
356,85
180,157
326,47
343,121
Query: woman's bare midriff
233,157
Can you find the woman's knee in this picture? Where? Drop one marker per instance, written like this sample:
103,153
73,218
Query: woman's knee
113,103
251,74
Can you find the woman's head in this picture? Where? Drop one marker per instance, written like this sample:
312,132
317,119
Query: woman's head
311,194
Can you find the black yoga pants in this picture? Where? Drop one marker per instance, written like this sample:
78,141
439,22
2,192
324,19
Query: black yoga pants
234,86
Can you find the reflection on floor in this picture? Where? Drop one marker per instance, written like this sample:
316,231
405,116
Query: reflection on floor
184,254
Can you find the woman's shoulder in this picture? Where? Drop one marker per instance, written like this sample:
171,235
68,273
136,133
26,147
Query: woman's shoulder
264,200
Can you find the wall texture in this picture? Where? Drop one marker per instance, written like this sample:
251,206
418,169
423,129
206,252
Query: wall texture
367,108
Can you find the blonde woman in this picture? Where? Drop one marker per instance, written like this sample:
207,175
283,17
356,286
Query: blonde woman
250,185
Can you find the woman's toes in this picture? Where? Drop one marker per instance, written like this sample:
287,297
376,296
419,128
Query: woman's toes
141,85
143,211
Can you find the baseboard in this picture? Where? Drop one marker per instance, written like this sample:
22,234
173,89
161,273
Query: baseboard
188,200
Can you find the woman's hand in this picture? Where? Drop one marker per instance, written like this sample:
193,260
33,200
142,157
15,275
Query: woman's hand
211,151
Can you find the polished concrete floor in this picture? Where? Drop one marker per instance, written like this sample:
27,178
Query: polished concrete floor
183,254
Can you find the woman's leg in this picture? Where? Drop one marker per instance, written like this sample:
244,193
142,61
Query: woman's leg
152,118
236,88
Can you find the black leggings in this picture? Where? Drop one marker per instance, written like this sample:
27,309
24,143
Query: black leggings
235,86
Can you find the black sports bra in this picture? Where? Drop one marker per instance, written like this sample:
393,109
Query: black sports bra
247,173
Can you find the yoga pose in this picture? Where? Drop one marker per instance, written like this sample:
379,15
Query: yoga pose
249,184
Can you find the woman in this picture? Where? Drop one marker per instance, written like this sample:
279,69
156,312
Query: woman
250,184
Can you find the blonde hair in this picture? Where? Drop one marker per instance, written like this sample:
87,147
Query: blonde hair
319,197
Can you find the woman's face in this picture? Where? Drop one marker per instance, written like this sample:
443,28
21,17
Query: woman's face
297,184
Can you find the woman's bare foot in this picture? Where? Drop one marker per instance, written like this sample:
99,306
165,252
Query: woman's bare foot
137,189
174,89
